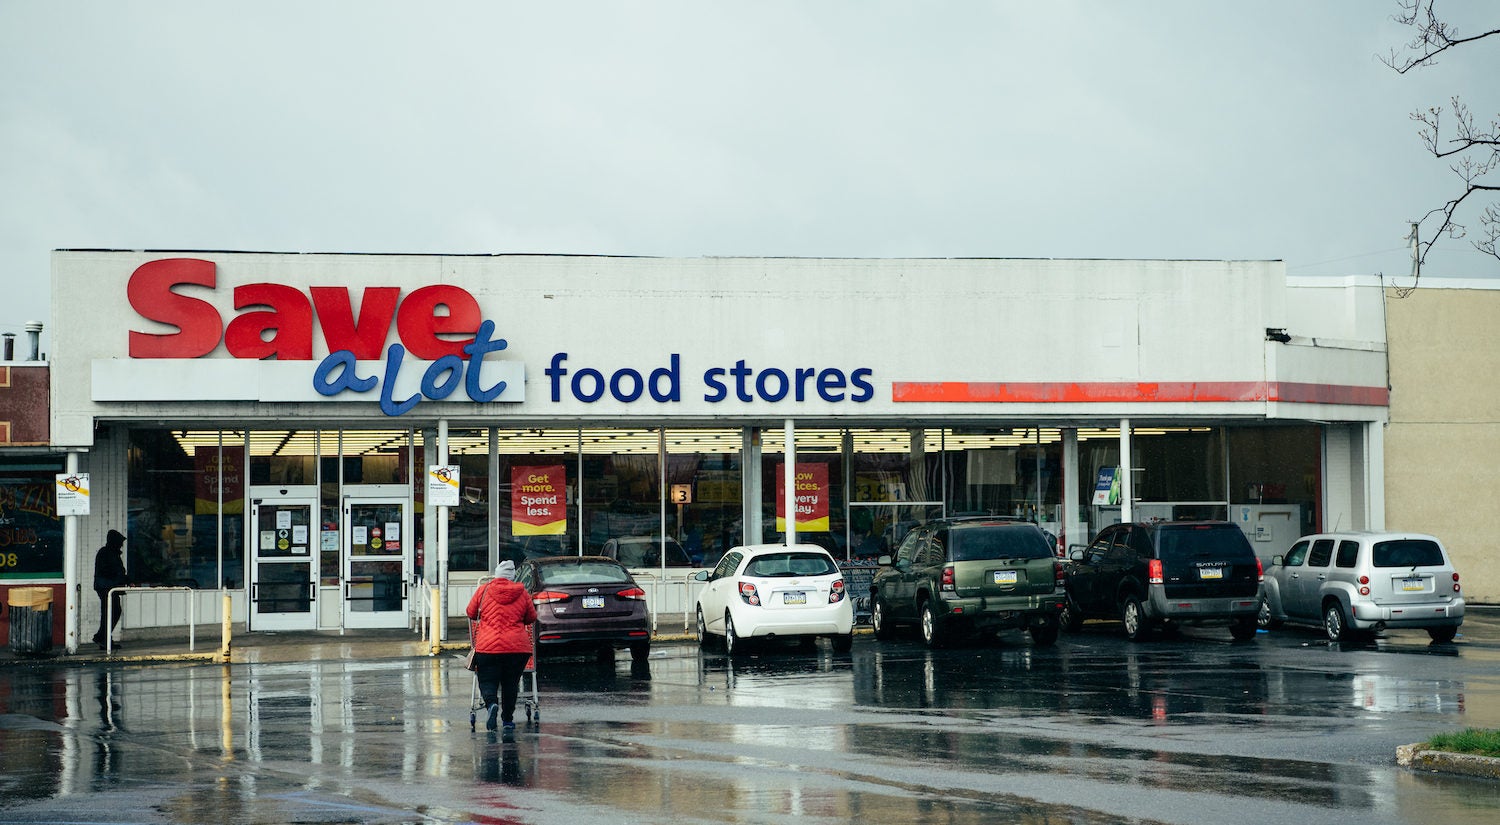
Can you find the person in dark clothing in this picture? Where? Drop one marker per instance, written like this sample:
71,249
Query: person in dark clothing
109,572
504,613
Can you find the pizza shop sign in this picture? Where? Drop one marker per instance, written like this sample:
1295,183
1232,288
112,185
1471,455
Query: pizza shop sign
439,324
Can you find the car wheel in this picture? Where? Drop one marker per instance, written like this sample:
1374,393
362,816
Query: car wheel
881,621
1333,623
732,642
1044,635
931,634
1133,615
1071,618
1243,629
640,651
704,640
1442,634
1263,618
842,643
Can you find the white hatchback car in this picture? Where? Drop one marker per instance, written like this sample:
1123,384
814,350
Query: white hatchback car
1354,584
772,591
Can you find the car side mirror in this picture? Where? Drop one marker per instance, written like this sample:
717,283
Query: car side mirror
1075,555
1276,561
884,561
703,575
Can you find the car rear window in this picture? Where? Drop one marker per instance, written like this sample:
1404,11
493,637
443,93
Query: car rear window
773,565
1008,542
648,554
1218,542
1407,553
588,572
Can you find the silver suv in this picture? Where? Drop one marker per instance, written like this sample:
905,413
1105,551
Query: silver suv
1357,584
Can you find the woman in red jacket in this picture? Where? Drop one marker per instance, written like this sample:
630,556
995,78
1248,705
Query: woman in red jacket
502,643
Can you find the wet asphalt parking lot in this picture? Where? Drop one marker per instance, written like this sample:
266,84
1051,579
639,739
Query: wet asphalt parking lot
1186,729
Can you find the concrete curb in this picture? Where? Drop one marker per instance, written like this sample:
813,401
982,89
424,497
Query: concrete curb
1419,758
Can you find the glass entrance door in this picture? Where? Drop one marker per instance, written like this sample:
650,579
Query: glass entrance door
283,566
376,554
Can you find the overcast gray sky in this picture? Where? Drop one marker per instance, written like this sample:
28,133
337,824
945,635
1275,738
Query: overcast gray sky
1090,129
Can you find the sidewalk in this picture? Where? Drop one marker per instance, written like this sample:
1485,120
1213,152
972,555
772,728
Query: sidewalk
167,645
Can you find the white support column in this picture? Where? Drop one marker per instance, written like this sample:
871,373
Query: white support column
1375,475
441,514
789,477
1127,479
751,526
72,575
1072,529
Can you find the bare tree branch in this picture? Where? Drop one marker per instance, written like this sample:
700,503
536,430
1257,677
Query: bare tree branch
1433,36
1474,151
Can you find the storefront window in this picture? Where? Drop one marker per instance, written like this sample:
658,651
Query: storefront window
1277,467
704,484
161,544
622,486
31,534
469,522
538,478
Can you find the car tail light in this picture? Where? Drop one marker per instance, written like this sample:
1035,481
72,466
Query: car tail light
1059,572
1260,571
1363,589
1364,579
1153,571
748,593
836,591
632,593
549,596
1455,582
947,582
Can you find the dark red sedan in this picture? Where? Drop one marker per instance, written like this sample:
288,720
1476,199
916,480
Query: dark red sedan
586,604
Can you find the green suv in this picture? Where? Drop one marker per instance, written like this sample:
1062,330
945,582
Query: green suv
966,576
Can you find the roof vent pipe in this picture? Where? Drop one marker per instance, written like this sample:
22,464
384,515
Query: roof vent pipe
10,346
34,332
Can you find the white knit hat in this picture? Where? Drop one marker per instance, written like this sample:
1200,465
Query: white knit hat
505,569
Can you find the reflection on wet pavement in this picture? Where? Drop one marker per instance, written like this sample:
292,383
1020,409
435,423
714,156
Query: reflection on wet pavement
1095,730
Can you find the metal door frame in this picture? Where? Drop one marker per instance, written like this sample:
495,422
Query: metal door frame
282,496
386,494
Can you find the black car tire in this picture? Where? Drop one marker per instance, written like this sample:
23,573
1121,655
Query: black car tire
1263,616
1133,616
842,643
1244,628
1071,618
1333,623
1044,635
1442,634
705,640
733,646
880,621
932,635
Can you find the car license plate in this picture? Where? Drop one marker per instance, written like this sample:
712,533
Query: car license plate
794,597
1210,572
593,601
1005,577
1416,584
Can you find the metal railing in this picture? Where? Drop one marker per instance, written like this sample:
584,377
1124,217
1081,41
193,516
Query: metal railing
109,611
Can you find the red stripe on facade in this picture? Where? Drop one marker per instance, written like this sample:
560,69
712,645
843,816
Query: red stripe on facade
1047,392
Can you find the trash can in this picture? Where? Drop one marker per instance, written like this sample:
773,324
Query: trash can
31,620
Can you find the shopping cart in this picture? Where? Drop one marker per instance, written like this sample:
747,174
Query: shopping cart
529,697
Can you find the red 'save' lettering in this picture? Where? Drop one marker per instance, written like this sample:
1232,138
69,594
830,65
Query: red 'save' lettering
277,321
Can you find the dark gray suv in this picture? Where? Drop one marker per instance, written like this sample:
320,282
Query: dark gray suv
966,576
1164,574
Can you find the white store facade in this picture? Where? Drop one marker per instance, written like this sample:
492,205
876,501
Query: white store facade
265,423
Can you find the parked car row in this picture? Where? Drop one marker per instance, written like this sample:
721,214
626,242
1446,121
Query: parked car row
963,577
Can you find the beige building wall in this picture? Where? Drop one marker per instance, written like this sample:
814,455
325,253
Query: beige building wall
1442,450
